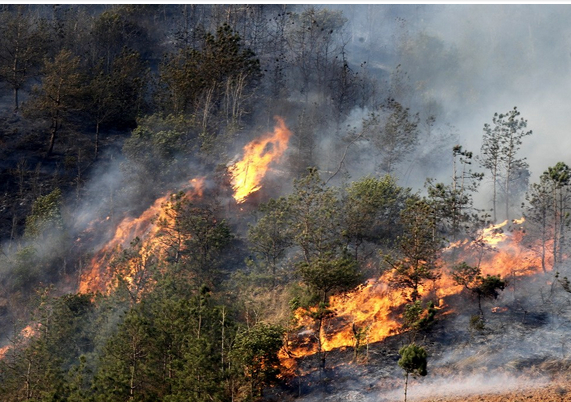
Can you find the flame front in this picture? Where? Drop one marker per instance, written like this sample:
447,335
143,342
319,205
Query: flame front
373,307
98,278
248,173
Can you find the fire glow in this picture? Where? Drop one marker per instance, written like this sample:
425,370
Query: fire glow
373,306
247,174
98,278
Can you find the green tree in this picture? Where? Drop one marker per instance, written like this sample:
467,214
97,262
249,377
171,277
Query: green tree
484,287
538,215
316,222
35,369
547,212
22,45
112,32
559,179
58,97
417,317
215,80
117,96
271,236
394,132
124,365
45,215
370,211
412,361
453,203
194,236
326,276
314,48
159,148
419,250
500,146
256,350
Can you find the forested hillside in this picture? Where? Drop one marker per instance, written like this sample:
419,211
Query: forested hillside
274,202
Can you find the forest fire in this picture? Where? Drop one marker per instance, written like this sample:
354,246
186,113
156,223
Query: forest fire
25,334
374,308
248,173
98,277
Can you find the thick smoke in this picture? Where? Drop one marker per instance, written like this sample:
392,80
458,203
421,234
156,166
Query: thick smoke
474,61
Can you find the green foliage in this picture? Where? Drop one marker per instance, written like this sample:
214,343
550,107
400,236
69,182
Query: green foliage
453,203
172,346
36,368
500,145
212,81
489,286
371,209
22,45
419,248
484,287
394,133
45,215
58,98
417,318
548,210
194,236
115,96
157,149
326,276
114,31
315,212
271,236
256,350
477,323
413,359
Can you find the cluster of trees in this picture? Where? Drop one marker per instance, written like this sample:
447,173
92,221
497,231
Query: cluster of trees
197,312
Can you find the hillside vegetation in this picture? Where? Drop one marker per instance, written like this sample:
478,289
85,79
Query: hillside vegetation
261,202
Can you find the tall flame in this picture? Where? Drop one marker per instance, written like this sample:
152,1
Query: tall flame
98,278
248,173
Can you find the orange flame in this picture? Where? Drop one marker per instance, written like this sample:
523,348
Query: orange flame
26,334
372,307
98,278
248,173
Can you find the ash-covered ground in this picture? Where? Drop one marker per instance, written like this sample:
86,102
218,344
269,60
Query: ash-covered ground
523,353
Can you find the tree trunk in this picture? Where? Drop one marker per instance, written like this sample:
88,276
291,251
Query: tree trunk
52,141
96,141
16,101
405,385
555,229
495,178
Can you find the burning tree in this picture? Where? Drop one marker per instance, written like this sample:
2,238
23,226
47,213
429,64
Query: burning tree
257,351
324,277
484,287
548,210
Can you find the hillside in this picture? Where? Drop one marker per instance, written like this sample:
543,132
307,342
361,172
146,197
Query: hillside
284,202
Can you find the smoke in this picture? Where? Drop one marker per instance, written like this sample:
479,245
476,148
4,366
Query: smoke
464,386
475,60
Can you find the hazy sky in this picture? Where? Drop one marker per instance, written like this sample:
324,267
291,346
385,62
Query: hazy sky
479,59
